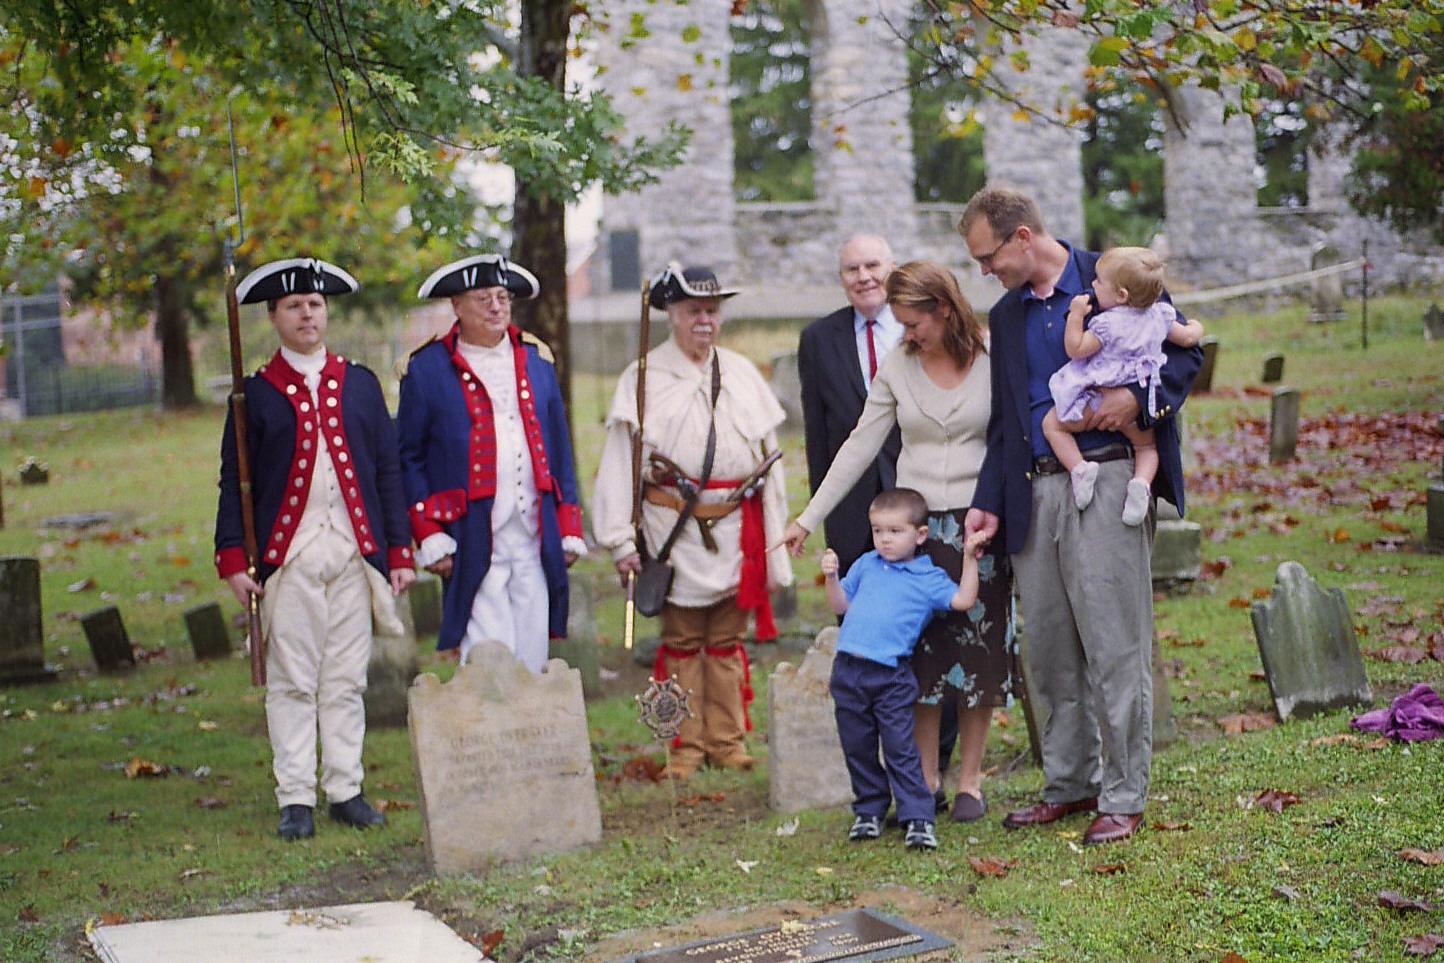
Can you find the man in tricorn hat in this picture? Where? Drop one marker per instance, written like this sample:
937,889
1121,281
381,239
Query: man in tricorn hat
487,460
709,423
333,539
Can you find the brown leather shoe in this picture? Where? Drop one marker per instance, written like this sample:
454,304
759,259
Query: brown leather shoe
1111,827
1041,813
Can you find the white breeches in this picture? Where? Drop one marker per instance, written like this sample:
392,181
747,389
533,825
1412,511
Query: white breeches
318,612
512,606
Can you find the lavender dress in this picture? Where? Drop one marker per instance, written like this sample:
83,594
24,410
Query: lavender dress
1132,353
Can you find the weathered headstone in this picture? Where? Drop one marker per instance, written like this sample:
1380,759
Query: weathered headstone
1436,506
22,642
1273,369
1177,547
79,521
206,626
503,762
425,597
579,649
393,665
1326,300
109,643
806,768
857,934
1306,640
1283,425
1204,382
34,472
1434,324
787,386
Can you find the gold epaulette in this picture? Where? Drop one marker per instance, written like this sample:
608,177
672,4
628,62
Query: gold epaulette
541,347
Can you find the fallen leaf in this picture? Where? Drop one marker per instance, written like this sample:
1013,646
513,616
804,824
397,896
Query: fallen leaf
1172,827
1340,536
1383,742
490,941
823,870
1262,593
1398,653
84,585
1242,722
1239,602
27,914
191,874
1423,857
393,805
211,802
1285,891
139,768
1425,945
639,768
1275,800
1232,957
206,725
1398,901
1337,739
112,919
701,798
991,865
745,864
1110,869
788,828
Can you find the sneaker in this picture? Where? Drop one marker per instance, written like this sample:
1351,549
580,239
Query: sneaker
1135,503
1084,477
920,835
865,828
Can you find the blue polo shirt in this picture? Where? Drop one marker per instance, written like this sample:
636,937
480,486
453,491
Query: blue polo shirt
888,605
1044,322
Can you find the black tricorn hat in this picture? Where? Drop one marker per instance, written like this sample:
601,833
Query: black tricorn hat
677,283
480,271
295,275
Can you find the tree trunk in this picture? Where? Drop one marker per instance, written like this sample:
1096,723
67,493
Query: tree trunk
177,375
539,240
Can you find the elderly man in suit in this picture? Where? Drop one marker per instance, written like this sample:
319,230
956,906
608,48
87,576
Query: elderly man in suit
1083,577
836,359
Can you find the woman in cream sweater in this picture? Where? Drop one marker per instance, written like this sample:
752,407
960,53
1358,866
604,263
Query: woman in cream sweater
936,388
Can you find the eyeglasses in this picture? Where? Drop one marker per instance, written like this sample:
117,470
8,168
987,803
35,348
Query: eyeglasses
985,261
499,298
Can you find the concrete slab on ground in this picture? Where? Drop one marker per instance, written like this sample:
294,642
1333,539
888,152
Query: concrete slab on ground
395,932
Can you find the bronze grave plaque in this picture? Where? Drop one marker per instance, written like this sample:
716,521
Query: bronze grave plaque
861,934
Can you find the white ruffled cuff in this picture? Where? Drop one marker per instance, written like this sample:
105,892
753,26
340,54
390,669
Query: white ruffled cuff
434,548
577,546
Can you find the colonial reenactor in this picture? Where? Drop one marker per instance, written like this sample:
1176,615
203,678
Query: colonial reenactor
487,460
710,424
329,507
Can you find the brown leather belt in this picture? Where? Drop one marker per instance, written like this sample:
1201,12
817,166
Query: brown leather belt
704,511
1048,465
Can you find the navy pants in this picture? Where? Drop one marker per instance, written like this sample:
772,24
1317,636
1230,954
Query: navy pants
874,707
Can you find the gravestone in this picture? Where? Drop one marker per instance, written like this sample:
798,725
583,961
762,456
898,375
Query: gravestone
1177,547
806,768
857,934
425,597
579,649
1306,640
1283,425
393,664
787,386
34,472
1326,299
1434,324
22,640
503,762
206,626
1436,506
109,643
1204,382
79,521
1273,369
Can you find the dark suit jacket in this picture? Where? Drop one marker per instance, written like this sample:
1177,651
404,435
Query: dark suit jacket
1005,485
833,393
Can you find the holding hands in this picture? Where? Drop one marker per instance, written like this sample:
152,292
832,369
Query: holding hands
973,544
829,563
794,539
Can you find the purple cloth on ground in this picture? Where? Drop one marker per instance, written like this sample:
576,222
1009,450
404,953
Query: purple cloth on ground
1416,716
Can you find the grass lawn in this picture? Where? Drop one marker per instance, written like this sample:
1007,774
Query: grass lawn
80,843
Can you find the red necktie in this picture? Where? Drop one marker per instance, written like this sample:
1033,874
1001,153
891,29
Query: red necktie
871,351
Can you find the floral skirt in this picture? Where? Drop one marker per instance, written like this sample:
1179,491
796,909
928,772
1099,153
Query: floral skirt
974,653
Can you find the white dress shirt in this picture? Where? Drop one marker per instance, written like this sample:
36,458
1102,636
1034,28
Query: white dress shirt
886,334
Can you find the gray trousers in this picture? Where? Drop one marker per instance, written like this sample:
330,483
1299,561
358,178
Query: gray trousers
1087,598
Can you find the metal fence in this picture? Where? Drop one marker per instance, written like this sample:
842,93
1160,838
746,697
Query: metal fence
38,381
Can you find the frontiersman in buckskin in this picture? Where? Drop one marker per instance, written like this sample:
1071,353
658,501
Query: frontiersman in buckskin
709,444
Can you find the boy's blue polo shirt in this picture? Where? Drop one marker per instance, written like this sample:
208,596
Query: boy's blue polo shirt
888,605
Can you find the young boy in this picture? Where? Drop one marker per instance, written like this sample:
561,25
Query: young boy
886,599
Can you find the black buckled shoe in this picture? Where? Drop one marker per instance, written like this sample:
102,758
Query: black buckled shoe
357,812
296,823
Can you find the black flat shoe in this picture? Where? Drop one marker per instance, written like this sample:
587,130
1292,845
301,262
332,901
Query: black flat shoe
357,812
296,823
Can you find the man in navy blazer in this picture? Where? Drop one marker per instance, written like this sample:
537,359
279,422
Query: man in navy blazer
835,365
1083,577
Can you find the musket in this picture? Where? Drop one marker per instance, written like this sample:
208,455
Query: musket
238,419
644,337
